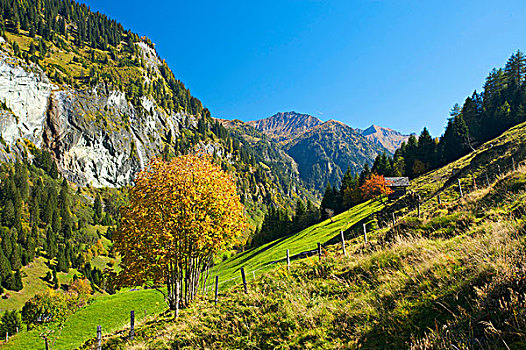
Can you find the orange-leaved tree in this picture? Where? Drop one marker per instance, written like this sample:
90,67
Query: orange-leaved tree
375,186
180,214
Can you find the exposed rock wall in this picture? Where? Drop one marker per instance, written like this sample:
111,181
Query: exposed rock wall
97,136
25,90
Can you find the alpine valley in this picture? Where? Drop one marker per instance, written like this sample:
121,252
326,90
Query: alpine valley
131,217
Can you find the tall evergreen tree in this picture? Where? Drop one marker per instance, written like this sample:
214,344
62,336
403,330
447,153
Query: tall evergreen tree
426,151
16,259
455,141
97,209
5,267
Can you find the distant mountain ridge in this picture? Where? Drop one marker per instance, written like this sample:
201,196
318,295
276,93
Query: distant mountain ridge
324,153
320,151
284,126
389,138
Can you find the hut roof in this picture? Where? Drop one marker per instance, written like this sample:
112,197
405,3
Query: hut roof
397,181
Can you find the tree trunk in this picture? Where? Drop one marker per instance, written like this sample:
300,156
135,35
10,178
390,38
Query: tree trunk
177,286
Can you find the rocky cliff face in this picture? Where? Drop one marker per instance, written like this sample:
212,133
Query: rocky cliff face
97,136
24,91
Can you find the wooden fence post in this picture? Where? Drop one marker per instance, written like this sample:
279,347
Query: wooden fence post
460,189
498,167
394,220
288,261
474,182
418,209
217,290
244,280
343,243
132,324
99,337
319,251
365,232
6,337
439,199
513,162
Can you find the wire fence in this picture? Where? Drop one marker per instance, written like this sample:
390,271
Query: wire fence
461,185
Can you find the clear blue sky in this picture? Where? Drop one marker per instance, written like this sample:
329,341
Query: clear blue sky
399,64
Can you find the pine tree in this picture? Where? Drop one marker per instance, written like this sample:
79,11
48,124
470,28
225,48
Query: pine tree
61,261
10,282
97,210
18,285
5,267
16,260
426,151
329,203
51,243
473,116
10,323
56,223
8,214
21,179
348,180
64,198
55,278
515,69
298,222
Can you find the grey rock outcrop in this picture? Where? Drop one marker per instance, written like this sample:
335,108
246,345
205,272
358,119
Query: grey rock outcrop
96,135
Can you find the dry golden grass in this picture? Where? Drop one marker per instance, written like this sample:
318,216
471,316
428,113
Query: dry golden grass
449,279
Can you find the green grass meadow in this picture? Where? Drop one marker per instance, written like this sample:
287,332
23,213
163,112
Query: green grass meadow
112,312
307,239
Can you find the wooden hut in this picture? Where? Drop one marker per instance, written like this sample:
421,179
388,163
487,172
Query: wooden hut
398,185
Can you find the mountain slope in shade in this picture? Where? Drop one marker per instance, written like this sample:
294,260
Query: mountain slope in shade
284,126
272,156
388,138
324,152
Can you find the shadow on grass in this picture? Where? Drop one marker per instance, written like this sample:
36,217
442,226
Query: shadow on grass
394,329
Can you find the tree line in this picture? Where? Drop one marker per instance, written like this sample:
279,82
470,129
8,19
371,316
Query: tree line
42,216
64,22
482,117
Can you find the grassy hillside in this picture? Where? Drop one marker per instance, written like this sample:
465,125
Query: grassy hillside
451,278
32,277
112,312
447,280
259,259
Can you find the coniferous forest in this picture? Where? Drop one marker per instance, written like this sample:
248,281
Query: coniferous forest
483,116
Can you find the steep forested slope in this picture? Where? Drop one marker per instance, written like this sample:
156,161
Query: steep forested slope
103,102
325,152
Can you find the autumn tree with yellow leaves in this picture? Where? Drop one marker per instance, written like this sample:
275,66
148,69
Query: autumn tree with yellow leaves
180,214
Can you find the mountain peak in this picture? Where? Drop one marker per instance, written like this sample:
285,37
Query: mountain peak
372,129
284,126
386,137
